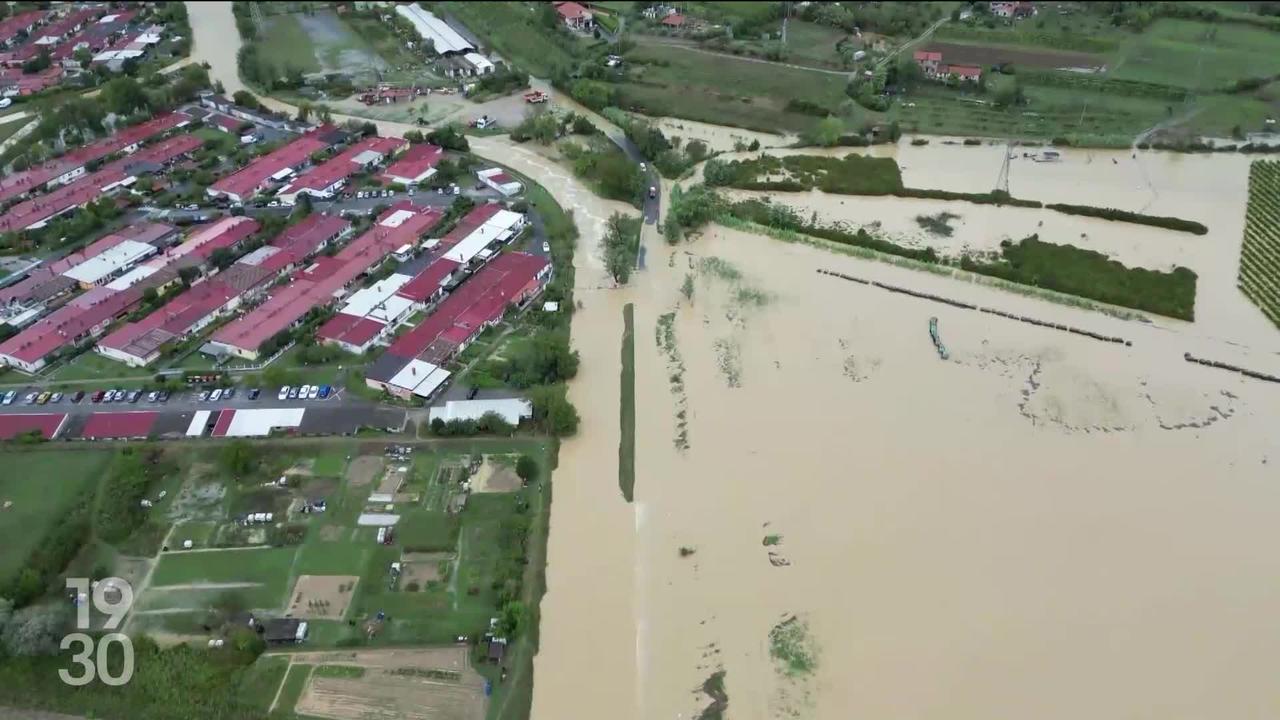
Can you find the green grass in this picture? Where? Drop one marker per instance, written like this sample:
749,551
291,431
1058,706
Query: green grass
268,566
8,129
627,406
333,461
294,683
512,28
679,82
1199,56
92,366
41,486
346,556
259,683
813,44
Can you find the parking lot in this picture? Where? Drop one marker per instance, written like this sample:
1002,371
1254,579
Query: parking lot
26,400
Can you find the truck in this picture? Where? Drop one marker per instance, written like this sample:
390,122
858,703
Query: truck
535,97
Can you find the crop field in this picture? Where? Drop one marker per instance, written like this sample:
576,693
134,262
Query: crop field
680,82
194,579
1197,55
987,55
1260,256
36,489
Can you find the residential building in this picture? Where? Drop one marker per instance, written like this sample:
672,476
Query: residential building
80,319
111,264
930,62
964,73
574,16
415,166
139,344
368,316
513,410
1013,9
326,179
276,166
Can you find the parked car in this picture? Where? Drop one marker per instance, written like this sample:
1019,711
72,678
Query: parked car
360,195
314,392
8,397
293,393
43,398
283,394
216,395
204,395
254,393
274,203
228,393
118,396
5,102
30,399
324,391
55,398
164,396
134,395
303,392
152,396
97,397
546,247
78,396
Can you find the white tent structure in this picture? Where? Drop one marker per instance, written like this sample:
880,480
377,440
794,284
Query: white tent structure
444,39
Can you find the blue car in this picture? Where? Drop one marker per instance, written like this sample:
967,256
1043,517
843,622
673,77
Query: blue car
324,391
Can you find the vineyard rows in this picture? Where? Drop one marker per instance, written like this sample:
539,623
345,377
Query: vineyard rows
1260,255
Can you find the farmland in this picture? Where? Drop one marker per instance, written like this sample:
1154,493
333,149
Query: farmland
987,55
507,27
1260,255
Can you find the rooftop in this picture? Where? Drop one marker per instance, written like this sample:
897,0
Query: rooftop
247,180
106,264
418,163
444,39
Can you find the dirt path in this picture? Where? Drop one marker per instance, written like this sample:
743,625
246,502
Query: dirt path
207,586
745,58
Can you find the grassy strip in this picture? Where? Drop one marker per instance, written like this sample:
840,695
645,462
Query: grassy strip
294,683
627,406
862,175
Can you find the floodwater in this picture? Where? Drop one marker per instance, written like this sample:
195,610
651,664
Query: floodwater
719,137
1041,526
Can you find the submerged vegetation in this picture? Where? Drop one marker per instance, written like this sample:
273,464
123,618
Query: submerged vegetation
1260,255
938,224
665,334
627,406
791,647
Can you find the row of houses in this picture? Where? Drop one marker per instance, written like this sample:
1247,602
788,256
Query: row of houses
110,39
932,65
116,284
323,281
36,212
329,177
74,163
141,343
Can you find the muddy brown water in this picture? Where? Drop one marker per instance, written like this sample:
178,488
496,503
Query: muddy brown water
1042,526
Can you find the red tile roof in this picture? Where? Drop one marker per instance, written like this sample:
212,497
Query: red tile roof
342,166
45,423
9,27
249,179
29,84
480,299
118,425
426,283
570,10
673,20
964,70
225,234
303,239
416,161
68,24
469,223
142,232
350,329
928,56
173,320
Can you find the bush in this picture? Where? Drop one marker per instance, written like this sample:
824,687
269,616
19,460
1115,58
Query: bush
1170,223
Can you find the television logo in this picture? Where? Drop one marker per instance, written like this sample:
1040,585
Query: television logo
111,597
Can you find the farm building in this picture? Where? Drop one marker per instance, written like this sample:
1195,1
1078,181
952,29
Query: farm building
499,180
284,631
444,39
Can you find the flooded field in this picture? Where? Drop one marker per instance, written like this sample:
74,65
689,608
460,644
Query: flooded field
718,137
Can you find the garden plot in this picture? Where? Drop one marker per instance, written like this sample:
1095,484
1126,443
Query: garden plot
424,684
495,477
363,470
422,568
322,597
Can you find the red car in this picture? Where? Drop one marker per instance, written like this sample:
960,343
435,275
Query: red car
97,397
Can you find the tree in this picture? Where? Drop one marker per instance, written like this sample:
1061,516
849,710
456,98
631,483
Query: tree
238,458
696,150
526,468
618,248
38,63
553,411
244,98
828,131
542,359
303,207
124,96
304,111
37,630
449,138
908,71
1008,94
511,618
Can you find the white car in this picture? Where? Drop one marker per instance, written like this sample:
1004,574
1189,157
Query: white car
302,392
8,397
283,394
314,392
216,395
56,397
546,247
151,396
6,102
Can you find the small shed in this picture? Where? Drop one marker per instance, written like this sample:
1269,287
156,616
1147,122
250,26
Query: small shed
284,631
497,650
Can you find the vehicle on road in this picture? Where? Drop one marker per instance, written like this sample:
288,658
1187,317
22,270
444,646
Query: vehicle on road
204,395
43,398
134,395
228,393
8,397
254,393
546,247
97,397
283,394
216,395
78,396
324,391
653,192
30,399
55,398
483,122
314,392
293,393
152,396
164,396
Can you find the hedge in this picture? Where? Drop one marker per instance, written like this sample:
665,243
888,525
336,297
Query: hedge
1169,223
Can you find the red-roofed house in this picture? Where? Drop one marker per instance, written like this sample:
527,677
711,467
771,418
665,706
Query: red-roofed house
327,178
574,15
1013,9
14,82
276,166
415,166
139,343
428,286
929,62
965,73
84,317
674,20
20,23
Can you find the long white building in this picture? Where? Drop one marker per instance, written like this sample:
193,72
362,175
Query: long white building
444,39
